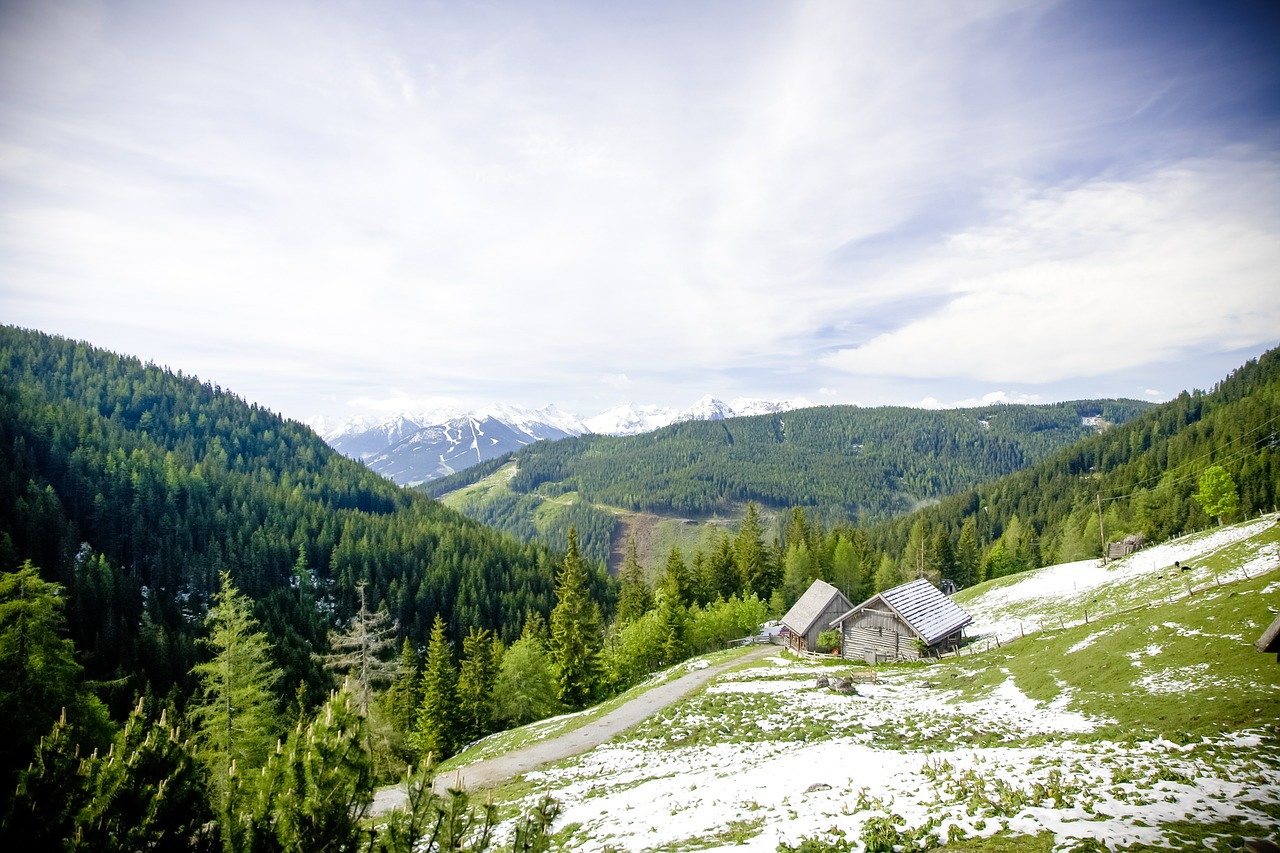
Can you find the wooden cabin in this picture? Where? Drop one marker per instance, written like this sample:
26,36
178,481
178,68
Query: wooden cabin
903,623
812,614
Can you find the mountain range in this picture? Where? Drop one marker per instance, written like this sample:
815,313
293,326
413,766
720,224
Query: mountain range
411,449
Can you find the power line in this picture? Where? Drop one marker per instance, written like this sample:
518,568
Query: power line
1196,463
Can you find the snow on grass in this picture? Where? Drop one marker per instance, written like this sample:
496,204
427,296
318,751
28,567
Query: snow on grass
1073,593
679,784
764,756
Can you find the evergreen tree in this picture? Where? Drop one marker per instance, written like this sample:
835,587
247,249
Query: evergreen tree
477,677
317,788
915,557
968,555
759,574
234,713
404,697
887,576
798,571
39,676
848,568
634,596
942,557
575,632
672,616
437,718
722,578
679,575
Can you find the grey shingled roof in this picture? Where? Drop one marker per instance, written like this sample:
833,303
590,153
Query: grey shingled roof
809,608
923,607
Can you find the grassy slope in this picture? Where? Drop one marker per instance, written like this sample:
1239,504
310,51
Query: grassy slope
655,535
1174,706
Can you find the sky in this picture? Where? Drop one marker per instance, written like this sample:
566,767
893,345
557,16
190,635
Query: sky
336,207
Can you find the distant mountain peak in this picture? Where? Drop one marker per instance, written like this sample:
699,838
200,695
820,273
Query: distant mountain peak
412,448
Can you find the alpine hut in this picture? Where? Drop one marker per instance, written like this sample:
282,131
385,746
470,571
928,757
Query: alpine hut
903,623
812,614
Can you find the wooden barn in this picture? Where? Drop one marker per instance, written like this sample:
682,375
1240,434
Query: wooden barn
812,614
903,623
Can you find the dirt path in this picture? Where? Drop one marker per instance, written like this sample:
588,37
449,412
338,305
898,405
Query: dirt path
493,771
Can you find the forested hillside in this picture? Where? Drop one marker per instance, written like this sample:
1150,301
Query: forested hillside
841,464
1145,476
134,487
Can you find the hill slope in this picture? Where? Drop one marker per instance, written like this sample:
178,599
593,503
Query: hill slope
1143,474
1147,726
843,464
134,487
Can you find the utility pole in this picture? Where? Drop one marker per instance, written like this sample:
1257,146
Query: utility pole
1102,532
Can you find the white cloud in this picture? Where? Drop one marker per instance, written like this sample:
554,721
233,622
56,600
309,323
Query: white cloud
472,202
1091,279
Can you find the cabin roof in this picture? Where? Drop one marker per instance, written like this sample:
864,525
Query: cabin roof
922,607
810,607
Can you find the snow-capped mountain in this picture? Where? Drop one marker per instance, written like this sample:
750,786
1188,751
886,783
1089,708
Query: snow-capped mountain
414,448
706,409
630,419
438,450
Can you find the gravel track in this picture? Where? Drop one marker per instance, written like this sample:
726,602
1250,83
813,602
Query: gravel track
493,771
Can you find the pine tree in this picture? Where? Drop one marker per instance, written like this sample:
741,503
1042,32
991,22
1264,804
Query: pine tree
798,571
436,728
846,570
887,576
39,676
234,713
575,632
634,596
318,786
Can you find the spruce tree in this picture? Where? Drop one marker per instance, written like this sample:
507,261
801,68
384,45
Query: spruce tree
968,555
752,558
404,697
436,728
477,675
673,618
634,597
575,632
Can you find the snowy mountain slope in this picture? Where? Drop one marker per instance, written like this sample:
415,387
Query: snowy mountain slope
440,449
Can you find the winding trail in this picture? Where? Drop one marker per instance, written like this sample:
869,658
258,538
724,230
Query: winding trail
493,771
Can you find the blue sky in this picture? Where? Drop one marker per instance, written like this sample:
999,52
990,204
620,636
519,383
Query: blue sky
334,207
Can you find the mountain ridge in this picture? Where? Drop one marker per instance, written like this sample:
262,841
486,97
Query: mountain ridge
415,448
